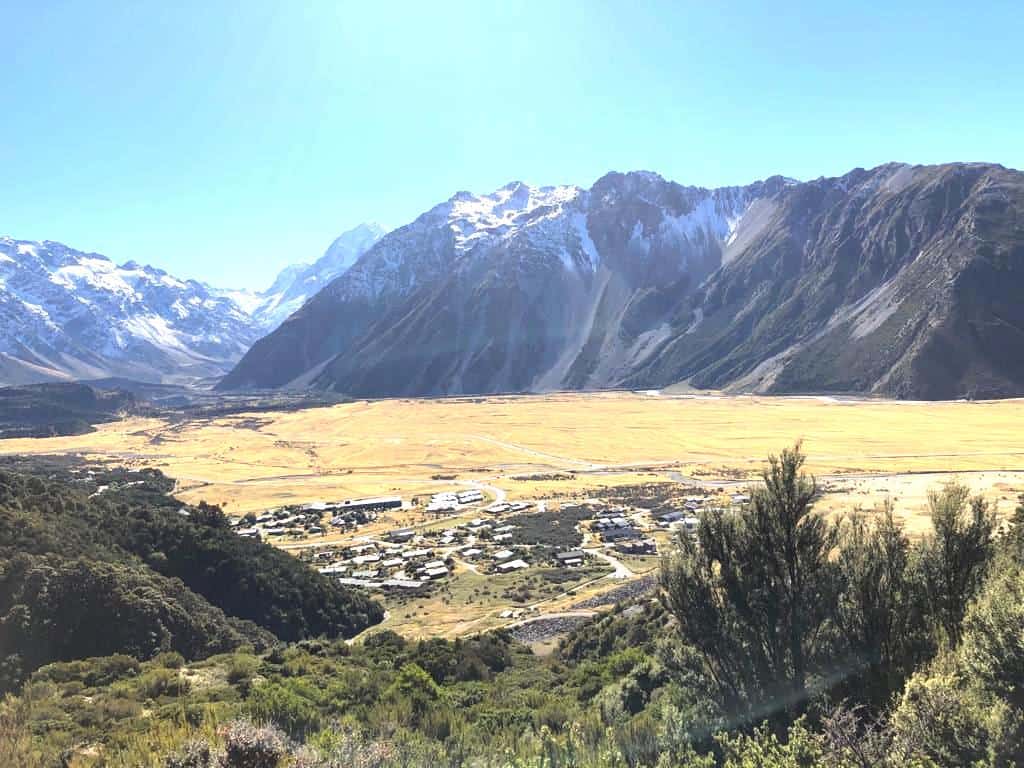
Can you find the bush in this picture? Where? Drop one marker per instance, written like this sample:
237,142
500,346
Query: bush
241,668
162,682
170,660
274,703
92,672
247,745
195,754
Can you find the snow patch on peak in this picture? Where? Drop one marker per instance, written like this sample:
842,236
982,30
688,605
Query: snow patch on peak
63,309
297,283
706,219
579,224
513,206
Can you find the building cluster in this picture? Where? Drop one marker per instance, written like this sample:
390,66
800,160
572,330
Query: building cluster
308,519
481,542
349,515
507,561
688,518
502,507
408,560
637,547
677,519
448,502
571,558
286,521
623,532
612,525
383,566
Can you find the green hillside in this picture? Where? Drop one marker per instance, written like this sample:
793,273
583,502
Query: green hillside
96,561
778,639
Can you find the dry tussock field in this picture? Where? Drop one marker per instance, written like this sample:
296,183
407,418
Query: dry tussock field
534,446
559,448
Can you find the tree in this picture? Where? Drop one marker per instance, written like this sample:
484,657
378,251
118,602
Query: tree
967,706
414,685
992,651
879,614
1013,541
955,556
753,591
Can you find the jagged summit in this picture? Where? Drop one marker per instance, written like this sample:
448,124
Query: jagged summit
900,280
68,314
469,275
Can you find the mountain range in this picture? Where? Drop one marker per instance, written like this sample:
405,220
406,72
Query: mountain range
900,280
66,314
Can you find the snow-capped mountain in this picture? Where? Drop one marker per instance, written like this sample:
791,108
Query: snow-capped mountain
899,280
522,288
68,314
299,282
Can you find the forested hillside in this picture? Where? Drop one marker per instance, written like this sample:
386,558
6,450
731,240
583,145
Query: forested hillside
95,562
780,638
65,408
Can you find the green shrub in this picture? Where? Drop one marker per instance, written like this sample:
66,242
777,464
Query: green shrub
241,668
160,681
274,703
170,660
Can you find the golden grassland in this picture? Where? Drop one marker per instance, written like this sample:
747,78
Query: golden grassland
252,461
559,446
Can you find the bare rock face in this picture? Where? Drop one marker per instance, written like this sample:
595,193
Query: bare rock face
901,280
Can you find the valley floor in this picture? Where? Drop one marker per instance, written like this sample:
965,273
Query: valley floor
560,449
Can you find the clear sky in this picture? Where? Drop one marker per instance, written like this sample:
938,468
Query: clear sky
224,140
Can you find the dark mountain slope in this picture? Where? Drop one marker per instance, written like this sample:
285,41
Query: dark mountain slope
43,410
901,281
526,288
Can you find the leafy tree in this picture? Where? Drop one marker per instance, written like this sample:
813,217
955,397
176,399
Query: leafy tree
992,651
879,615
54,609
952,724
1013,541
955,556
101,563
753,591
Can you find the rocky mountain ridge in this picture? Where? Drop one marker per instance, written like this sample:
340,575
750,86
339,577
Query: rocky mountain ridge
898,280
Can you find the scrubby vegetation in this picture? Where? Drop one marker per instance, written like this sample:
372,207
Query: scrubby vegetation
779,639
557,532
61,408
657,498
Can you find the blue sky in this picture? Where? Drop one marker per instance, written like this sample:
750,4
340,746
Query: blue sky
224,140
